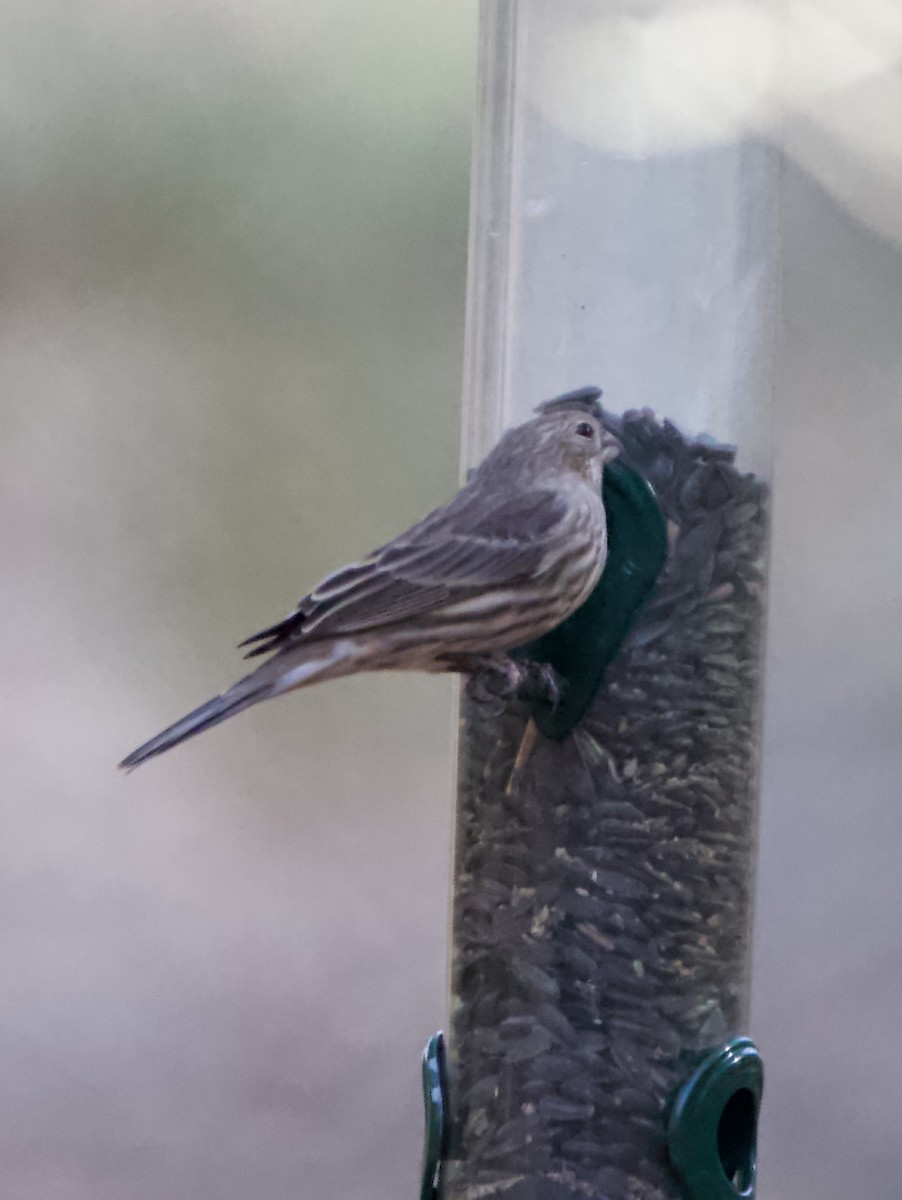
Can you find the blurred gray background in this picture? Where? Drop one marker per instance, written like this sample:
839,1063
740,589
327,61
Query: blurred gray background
232,261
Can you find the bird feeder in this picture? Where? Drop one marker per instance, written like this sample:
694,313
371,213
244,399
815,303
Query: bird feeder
624,234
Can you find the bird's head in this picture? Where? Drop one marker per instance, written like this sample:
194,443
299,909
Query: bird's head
571,434
567,436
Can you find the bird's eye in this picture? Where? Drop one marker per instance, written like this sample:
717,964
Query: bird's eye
584,429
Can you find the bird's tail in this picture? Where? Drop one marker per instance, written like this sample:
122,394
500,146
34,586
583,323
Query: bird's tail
242,695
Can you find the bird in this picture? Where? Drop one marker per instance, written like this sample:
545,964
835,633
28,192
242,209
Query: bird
512,555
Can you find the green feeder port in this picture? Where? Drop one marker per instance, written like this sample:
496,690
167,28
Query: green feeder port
712,1131
435,1103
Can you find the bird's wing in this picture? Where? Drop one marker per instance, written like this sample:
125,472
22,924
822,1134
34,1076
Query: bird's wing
454,553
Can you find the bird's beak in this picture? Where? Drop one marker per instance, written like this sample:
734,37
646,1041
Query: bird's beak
610,448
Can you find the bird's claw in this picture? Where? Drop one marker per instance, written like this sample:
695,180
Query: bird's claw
542,684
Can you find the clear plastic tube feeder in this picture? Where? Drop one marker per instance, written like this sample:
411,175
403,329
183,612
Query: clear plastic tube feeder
624,234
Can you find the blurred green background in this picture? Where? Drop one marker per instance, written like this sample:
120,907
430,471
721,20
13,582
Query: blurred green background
232,260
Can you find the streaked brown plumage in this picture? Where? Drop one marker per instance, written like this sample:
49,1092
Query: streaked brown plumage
517,550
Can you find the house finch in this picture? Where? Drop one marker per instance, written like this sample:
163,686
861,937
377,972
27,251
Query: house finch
517,550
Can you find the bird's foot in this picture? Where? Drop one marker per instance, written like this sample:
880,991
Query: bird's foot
541,684
495,679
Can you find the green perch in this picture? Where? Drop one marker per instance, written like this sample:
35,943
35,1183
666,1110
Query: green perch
582,648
